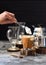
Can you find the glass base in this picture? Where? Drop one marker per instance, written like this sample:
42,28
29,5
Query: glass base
13,49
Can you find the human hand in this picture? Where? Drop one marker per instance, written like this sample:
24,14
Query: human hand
7,18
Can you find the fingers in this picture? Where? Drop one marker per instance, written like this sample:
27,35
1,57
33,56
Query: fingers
10,18
9,13
7,17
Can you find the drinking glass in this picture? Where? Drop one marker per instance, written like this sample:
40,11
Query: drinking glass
12,36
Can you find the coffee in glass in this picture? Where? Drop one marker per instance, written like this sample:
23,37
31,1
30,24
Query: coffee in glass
27,41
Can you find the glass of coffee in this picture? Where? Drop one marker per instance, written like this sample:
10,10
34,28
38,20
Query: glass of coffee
27,41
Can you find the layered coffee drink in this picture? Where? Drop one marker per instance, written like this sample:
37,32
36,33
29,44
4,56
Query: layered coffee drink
27,41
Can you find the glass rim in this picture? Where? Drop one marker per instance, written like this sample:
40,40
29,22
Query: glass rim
13,26
22,22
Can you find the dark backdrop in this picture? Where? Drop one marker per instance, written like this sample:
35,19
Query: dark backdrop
29,11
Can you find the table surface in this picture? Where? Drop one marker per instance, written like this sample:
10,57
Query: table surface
6,58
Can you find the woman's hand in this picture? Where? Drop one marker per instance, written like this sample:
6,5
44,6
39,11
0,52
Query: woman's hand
7,18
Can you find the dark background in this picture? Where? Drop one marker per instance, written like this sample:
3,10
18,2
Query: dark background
29,11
